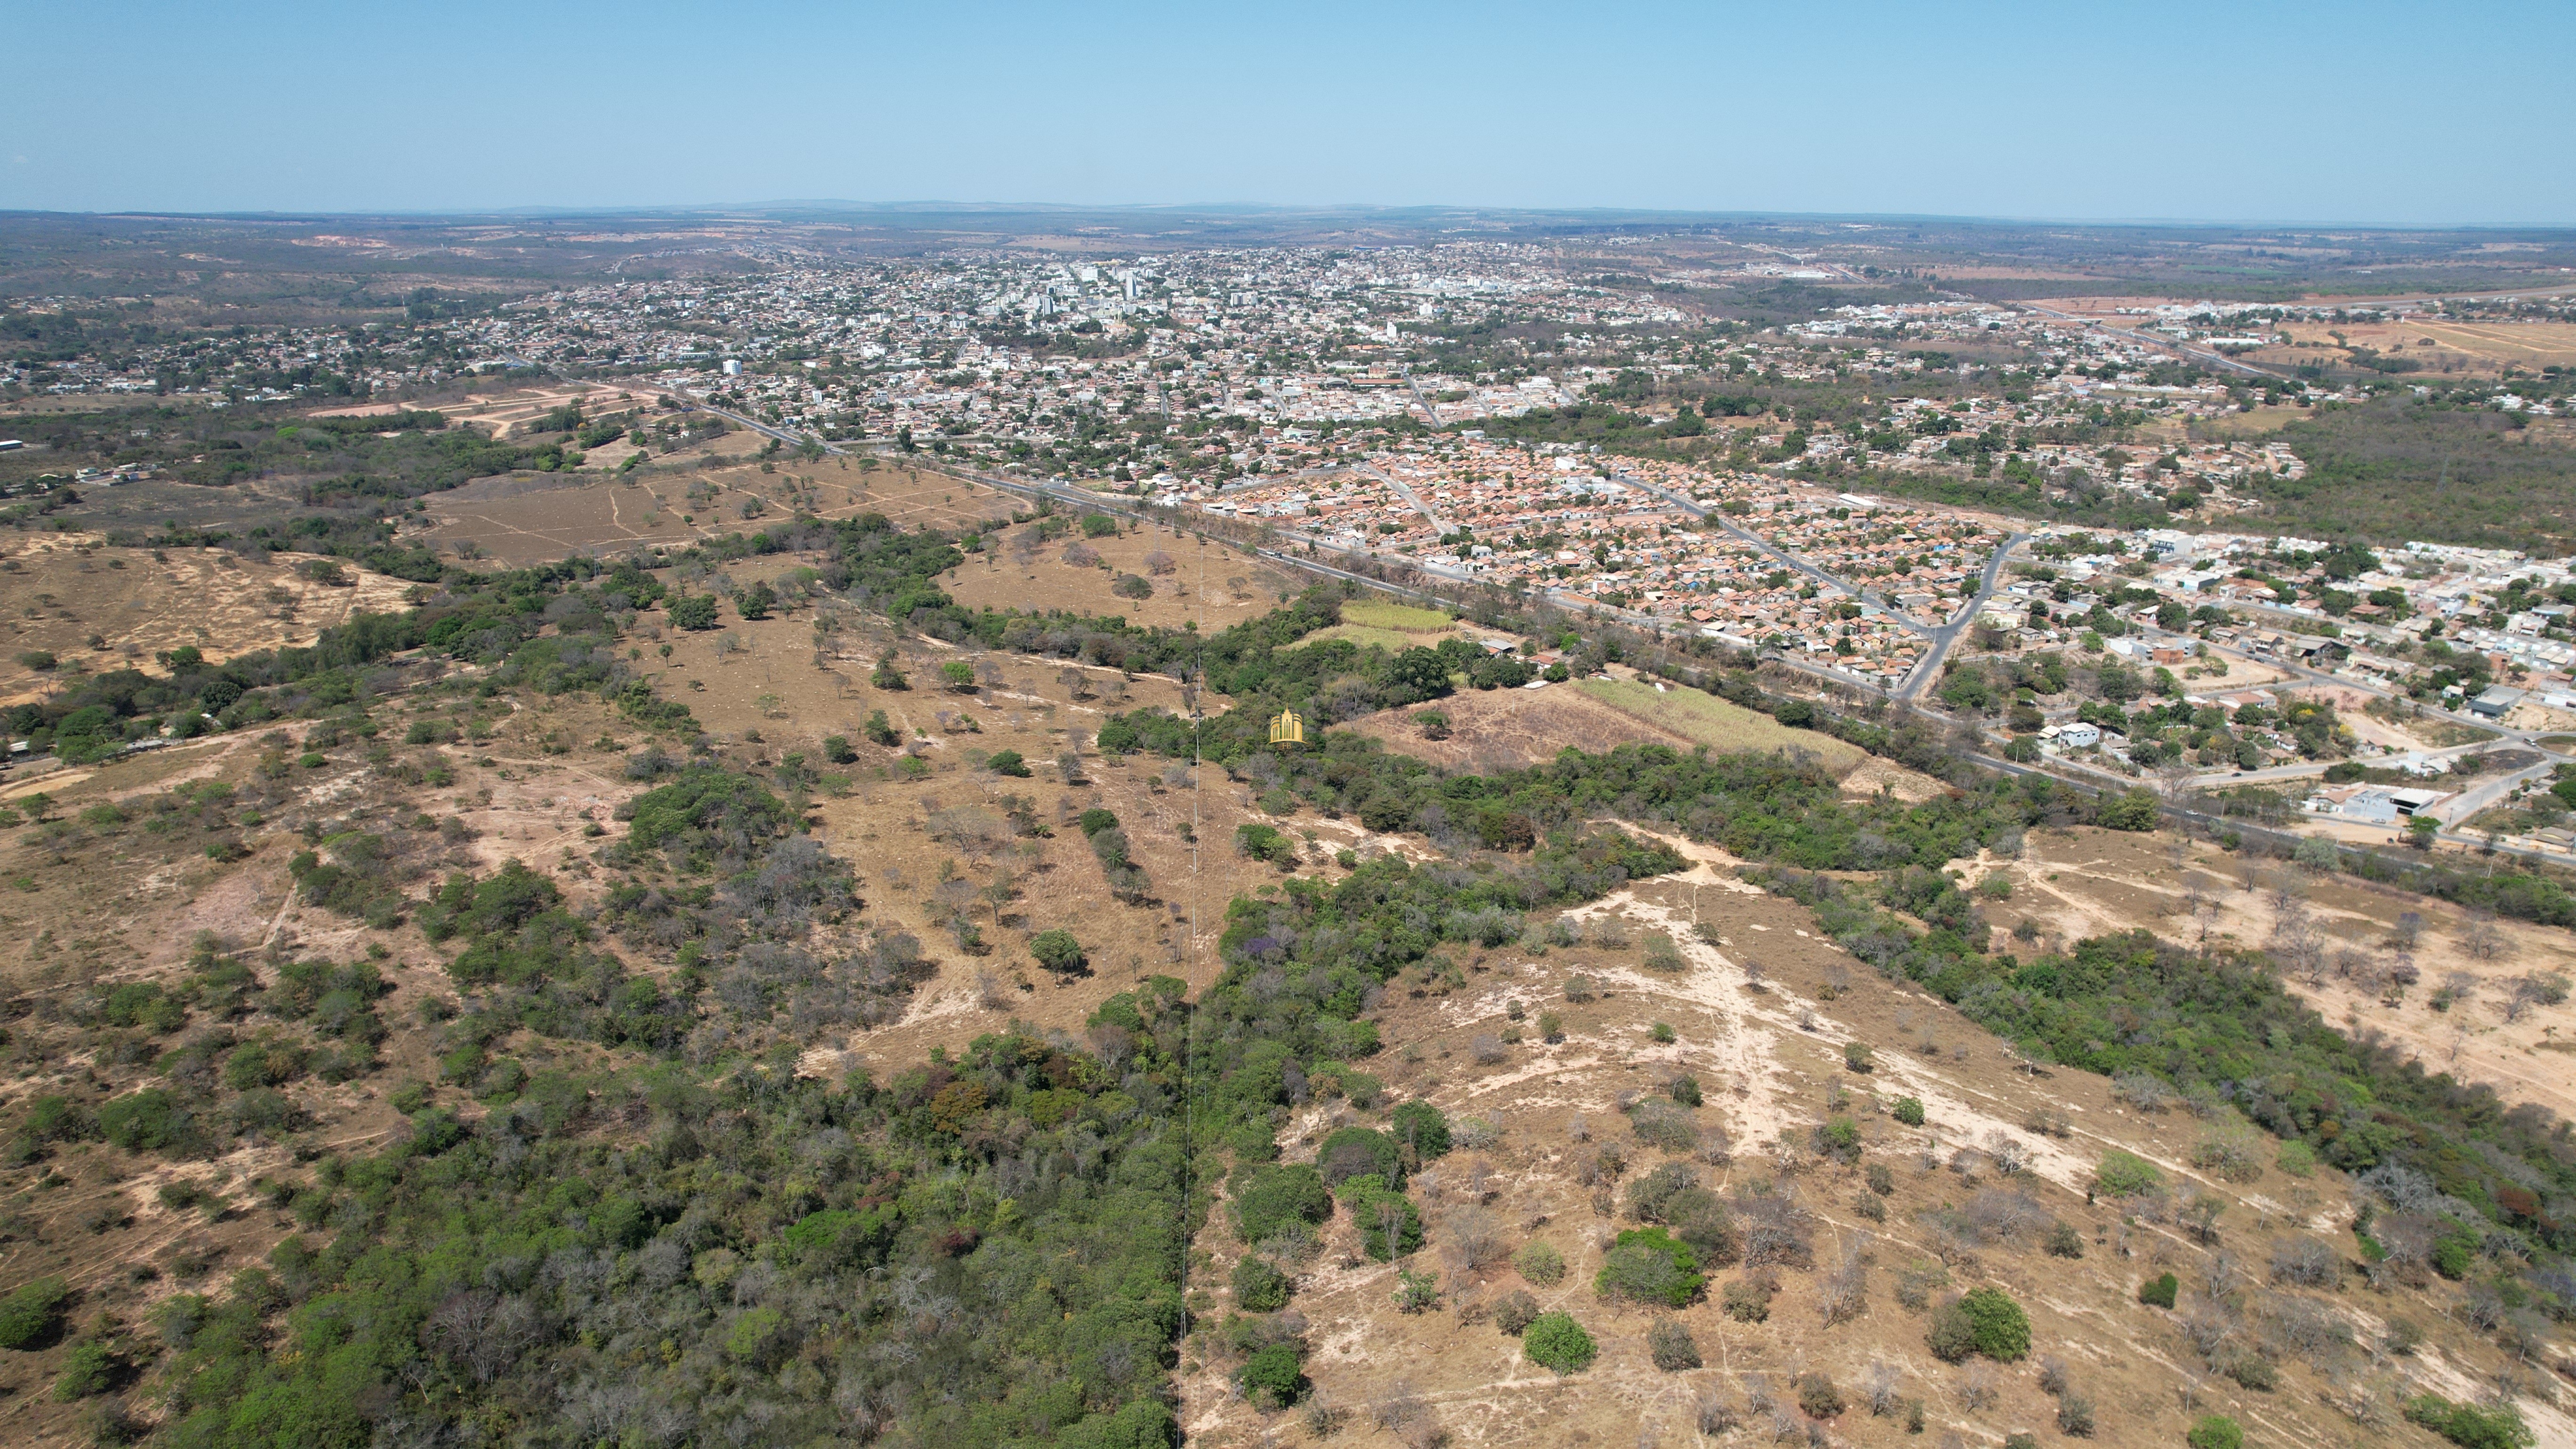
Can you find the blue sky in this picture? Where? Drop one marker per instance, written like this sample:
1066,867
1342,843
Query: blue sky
2358,112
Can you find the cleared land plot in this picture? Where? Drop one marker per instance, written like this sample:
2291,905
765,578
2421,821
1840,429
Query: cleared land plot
1193,579
528,518
1705,719
63,589
1513,728
1389,626
2441,346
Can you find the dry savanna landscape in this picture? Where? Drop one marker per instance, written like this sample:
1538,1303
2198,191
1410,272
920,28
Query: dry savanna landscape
1689,1058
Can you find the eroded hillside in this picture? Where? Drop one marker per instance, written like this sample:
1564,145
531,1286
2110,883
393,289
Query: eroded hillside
776,994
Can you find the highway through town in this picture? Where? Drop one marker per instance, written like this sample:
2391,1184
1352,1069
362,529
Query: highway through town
1939,639
1943,636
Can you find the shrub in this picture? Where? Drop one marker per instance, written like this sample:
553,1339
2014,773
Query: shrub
2158,1292
1818,1396
2297,1158
32,1317
1416,1292
1556,1341
1390,1225
2075,1414
1909,1111
1272,1377
1007,762
1540,1264
2125,1174
1839,1139
2306,1263
1747,1300
1652,1193
1856,1055
837,749
2215,1431
1685,1090
1662,955
1665,1124
1259,1287
1057,951
1670,1345
146,1121
1271,1198
1359,1152
1647,1266
88,1369
2454,1254
1256,841
2469,1426
1422,1127
2063,1241
2003,1330
1516,1312
1985,1321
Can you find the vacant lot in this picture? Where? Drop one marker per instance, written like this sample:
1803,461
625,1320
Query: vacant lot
1193,579
2452,347
1510,729
65,589
1389,626
528,518
1708,720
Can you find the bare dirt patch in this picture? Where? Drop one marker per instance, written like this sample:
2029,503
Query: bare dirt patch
2087,882
1194,580
1513,728
62,590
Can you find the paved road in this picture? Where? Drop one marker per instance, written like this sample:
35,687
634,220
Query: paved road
1424,403
1945,635
2162,344
1405,492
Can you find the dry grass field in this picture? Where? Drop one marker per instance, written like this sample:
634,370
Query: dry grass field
2086,882
1510,729
1708,720
1194,579
722,487
2476,348
1390,626
62,590
1541,1121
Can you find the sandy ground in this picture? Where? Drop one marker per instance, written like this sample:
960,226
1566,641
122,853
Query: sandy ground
1769,1059
2088,882
60,589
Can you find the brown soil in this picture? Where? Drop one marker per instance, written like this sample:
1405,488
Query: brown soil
528,518
1769,1060
1512,728
64,587
2088,882
1207,583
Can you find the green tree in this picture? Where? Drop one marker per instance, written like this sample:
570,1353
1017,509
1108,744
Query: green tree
1058,951
32,1317
1556,1341
696,612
